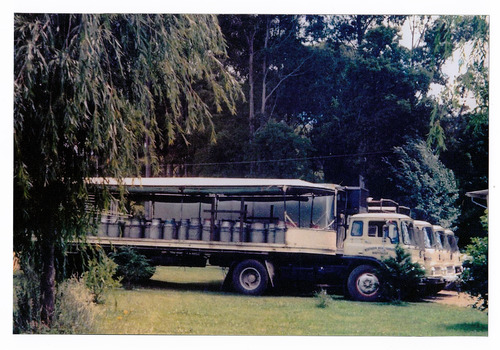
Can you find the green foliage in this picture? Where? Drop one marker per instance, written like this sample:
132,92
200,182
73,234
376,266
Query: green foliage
94,94
469,36
401,277
426,185
484,220
75,311
474,279
27,318
132,267
100,276
323,300
276,140
377,103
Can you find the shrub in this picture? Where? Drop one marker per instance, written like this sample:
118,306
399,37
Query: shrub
474,278
132,266
26,310
400,277
75,311
100,276
323,300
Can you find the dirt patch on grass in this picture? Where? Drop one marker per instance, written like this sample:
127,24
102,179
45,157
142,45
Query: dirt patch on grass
449,297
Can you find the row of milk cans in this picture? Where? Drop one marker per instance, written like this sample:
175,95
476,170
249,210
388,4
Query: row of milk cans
192,229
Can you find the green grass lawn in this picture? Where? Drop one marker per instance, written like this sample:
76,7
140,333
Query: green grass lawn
189,301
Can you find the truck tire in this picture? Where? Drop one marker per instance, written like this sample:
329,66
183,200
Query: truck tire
364,284
250,277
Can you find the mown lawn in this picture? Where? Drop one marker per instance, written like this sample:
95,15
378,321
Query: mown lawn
189,301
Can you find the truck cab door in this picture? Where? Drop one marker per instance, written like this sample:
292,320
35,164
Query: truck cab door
371,238
355,240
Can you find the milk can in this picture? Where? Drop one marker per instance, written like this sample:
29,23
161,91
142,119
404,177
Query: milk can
205,234
183,229
236,232
225,231
102,229
194,232
271,232
257,232
114,226
169,229
135,228
154,229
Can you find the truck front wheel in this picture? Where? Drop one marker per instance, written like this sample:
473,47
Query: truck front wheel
250,277
364,284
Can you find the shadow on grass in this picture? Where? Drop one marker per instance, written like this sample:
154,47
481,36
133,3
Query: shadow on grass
213,286
469,327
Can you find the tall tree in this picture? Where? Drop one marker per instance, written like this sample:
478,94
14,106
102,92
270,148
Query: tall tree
378,100
460,123
88,90
468,35
266,51
426,185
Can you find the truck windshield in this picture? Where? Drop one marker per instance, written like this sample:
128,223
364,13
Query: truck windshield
408,232
452,242
439,242
427,236
444,240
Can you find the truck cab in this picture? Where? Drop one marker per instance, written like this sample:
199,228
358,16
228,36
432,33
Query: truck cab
376,235
455,265
440,252
432,256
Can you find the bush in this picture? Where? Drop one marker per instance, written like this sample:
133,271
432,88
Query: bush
75,311
474,278
323,300
26,310
132,267
100,276
400,277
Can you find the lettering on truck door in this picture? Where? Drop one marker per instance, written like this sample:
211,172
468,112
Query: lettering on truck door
381,237
373,238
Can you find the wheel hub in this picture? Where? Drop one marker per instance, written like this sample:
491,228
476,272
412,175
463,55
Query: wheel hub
250,278
368,284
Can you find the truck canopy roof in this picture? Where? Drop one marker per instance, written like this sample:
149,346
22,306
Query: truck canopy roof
222,186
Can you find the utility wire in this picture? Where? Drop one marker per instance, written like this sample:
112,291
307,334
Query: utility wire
352,155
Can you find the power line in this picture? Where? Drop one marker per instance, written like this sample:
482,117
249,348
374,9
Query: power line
351,155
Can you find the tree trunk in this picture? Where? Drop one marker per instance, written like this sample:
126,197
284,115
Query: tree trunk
264,70
251,113
47,280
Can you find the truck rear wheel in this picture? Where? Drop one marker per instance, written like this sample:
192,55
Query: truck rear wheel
364,284
250,277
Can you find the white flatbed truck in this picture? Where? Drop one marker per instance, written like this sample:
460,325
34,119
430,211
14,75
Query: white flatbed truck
268,232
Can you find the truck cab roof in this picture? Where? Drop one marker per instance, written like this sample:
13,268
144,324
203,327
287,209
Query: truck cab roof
421,223
437,228
384,216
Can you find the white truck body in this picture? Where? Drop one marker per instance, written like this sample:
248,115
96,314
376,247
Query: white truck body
267,231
